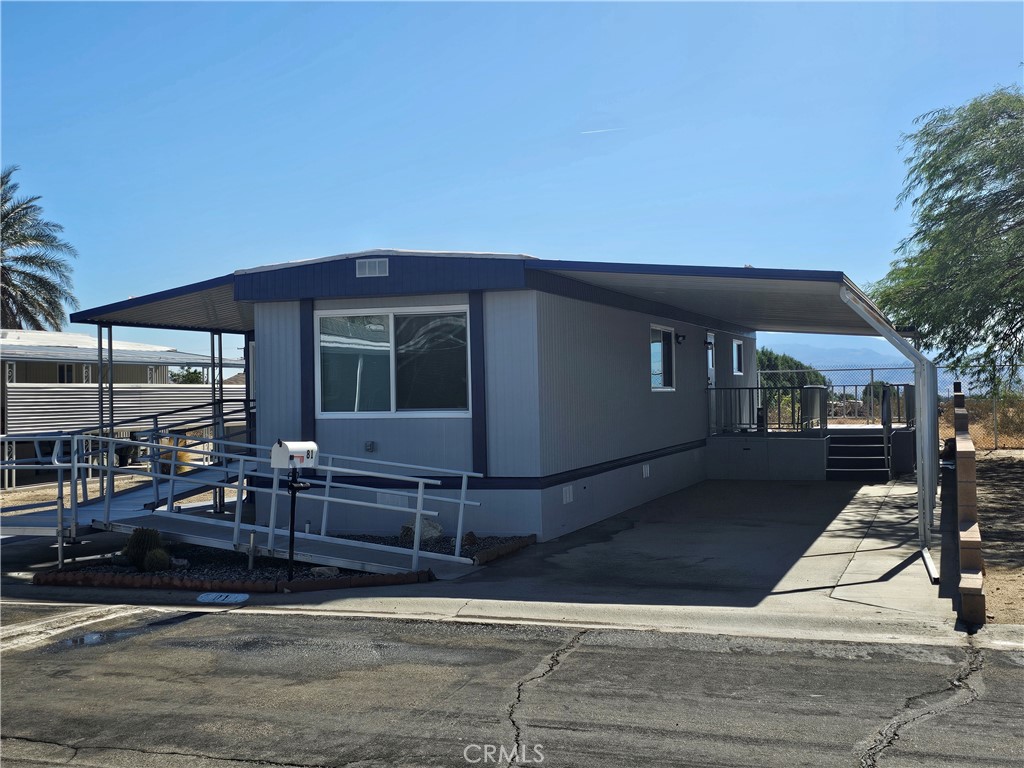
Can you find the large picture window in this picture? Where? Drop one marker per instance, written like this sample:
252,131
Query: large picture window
416,360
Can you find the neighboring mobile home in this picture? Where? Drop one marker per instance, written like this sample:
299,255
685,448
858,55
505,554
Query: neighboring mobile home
50,384
577,389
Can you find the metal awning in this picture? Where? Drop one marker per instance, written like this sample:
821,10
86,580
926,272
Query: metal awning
205,306
797,301
53,354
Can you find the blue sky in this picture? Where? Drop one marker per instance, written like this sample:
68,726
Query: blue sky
177,142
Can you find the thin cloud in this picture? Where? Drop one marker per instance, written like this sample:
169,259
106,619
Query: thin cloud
602,130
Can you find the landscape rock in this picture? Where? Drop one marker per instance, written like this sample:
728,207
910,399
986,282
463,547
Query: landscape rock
325,571
430,530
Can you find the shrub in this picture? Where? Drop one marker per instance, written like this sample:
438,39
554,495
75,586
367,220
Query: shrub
157,560
140,543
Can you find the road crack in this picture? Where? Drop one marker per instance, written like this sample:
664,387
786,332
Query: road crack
75,751
552,663
963,688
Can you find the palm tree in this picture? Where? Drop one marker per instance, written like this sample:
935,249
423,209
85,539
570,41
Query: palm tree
35,277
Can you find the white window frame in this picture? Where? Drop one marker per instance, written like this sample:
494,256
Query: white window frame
437,309
671,342
737,357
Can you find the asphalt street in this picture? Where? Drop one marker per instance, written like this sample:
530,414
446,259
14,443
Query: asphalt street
206,690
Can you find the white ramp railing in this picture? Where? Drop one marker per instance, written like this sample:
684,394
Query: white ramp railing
202,464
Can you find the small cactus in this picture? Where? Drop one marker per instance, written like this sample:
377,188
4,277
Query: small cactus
140,543
157,560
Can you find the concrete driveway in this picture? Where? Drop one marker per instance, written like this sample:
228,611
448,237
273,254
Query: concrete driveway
773,559
761,558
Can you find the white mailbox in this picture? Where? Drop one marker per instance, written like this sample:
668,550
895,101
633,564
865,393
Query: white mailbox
286,454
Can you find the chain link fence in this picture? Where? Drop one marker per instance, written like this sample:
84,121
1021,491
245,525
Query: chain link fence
855,395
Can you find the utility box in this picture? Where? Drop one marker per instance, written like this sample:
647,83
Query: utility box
297,454
814,407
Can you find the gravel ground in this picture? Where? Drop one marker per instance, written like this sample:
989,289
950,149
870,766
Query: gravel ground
205,563
1001,514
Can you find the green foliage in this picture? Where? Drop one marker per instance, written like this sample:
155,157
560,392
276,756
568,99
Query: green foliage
187,375
787,371
156,560
873,391
35,278
959,275
141,542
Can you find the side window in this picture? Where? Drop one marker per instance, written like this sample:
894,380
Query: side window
737,357
663,374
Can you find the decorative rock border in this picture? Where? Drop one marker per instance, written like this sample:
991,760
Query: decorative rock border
75,578
972,565
71,577
487,555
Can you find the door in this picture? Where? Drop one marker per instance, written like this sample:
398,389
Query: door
709,345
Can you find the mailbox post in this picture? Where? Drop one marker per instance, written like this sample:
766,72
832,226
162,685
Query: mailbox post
291,456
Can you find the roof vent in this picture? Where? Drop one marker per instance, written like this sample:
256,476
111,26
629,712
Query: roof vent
372,268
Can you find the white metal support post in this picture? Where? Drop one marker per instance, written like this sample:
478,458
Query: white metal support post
418,529
109,472
926,379
76,446
462,509
274,493
239,492
99,388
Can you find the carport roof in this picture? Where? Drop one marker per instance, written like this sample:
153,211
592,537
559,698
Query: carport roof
800,301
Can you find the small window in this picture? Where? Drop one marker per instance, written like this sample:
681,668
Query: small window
65,373
737,357
662,363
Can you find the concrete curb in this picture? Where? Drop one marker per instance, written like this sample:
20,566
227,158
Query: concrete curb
77,578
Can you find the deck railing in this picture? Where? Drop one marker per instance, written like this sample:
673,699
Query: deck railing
795,409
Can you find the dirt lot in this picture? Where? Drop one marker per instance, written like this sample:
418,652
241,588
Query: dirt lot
1001,513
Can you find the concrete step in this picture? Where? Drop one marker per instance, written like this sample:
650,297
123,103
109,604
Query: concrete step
866,476
844,439
856,462
856,450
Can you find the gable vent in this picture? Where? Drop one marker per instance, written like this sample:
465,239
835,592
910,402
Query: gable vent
372,268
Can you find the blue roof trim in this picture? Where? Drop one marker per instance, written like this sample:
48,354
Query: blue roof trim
89,315
478,377
407,275
752,273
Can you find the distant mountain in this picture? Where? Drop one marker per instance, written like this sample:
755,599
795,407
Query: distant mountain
822,356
